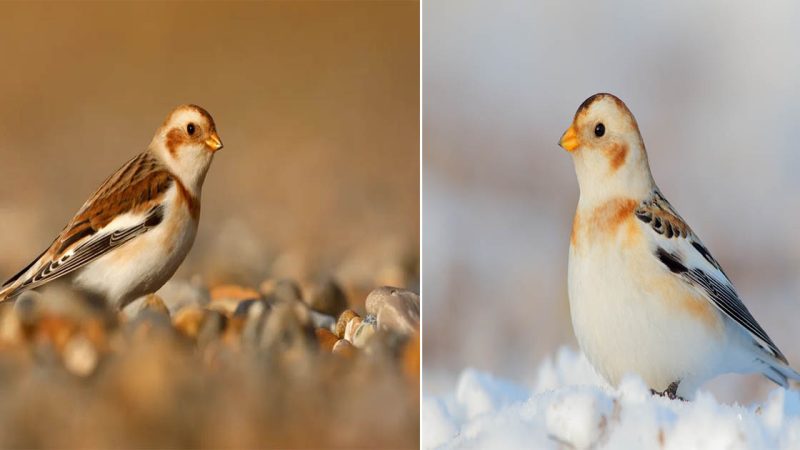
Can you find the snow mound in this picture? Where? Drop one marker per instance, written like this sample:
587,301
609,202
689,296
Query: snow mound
570,406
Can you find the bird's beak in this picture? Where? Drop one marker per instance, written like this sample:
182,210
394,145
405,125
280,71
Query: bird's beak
569,141
213,142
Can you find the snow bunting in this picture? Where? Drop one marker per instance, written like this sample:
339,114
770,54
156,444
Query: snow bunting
131,235
645,295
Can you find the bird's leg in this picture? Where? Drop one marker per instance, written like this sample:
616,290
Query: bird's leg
671,392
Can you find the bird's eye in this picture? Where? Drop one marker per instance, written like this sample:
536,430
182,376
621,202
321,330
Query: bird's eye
190,129
599,130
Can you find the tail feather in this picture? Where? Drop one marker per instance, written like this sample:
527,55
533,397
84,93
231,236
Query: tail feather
779,372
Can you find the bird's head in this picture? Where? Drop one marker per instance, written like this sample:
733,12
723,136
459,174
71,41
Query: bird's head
186,143
607,149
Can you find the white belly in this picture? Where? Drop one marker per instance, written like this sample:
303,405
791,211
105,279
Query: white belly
144,264
630,315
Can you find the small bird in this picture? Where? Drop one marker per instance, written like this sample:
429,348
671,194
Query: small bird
131,235
645,295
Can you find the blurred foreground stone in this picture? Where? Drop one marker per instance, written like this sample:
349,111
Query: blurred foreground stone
223,367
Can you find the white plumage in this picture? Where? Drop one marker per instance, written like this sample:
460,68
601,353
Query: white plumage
646,296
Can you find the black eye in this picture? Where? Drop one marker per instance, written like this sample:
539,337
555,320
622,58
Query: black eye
190,129
599,130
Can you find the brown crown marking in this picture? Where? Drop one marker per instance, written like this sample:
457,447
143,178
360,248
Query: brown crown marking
589,101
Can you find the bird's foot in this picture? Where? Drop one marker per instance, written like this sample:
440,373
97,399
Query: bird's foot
671,392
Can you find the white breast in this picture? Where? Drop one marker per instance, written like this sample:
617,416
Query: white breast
631,315
144,264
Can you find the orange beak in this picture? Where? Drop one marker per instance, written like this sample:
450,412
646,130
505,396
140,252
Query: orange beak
569,141
213,142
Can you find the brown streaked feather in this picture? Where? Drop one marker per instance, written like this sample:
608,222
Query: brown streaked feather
137,187
134,188
661,216
49,269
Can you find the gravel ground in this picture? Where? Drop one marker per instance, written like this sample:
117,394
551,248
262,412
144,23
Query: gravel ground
226,366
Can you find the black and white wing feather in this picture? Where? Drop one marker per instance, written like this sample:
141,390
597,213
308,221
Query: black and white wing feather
89,250
127,204
682,252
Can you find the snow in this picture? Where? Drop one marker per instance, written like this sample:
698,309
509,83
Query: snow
570,406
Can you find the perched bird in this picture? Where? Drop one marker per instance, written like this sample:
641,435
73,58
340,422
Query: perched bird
131,235
646,296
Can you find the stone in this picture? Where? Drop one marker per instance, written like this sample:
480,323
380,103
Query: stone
396,309
80,356
178,294
154,303
254,323
56,300
244,306
411,358
351,327
55,329
10,325
328,298
363,332
326,339
27,307
344,348
342,322
321,320
211,328
288,330
188,320
235,292
146,325
227,297
282,290
97,332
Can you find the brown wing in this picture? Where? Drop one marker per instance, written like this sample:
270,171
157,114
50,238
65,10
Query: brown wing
137,187
133,188
657,212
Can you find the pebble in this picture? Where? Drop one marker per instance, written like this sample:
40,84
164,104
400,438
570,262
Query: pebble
235,345
363,332
211,328
233,292
243,306
282,290
147,323
227,297
321,320
80,356
344,348
411,358
328,298
351,327
10,326
326,339
288,329
342,322
396,309
153,302
254,323
27,307
188,320
178,294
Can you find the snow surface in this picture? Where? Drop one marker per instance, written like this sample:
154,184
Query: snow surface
570,406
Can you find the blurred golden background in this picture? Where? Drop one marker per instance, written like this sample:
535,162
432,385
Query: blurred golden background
317,104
